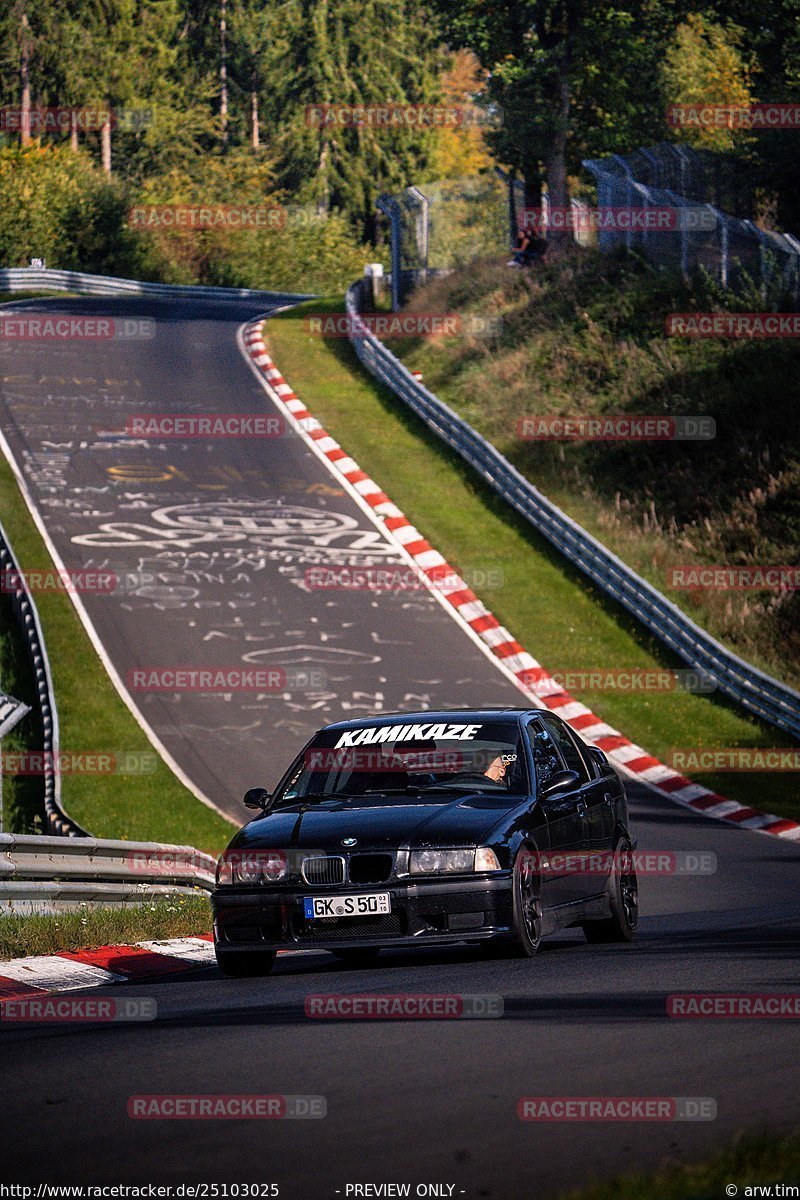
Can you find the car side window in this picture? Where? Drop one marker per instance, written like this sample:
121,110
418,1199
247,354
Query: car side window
572,755
546,758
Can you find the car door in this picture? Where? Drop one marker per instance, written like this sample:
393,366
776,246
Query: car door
597,804
565,815
604,822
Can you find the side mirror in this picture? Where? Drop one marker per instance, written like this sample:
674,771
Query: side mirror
257,798
562,781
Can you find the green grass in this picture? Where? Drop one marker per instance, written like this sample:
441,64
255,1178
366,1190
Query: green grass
753,1159
565,622
93,718
91,926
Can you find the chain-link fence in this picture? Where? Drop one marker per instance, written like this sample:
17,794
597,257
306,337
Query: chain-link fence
693,186
667,201
443,225
450,223
697,175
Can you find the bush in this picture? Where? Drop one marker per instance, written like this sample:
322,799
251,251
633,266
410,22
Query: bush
55,204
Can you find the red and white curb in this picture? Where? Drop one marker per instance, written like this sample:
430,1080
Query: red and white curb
74,970
530,676
70,971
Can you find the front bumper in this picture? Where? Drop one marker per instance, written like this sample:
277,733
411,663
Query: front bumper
424,911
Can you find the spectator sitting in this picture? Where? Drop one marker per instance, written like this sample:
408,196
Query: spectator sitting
528,249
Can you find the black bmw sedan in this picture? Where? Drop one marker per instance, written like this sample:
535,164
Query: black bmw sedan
429,828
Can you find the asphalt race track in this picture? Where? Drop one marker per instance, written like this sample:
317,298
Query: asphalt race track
422,1102
210,542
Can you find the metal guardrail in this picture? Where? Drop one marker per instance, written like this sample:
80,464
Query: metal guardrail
27,618
32,279
45,873
767,698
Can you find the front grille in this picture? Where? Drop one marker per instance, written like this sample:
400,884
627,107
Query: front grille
370,868
323,870
350,927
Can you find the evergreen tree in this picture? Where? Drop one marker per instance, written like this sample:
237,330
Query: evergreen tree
346,54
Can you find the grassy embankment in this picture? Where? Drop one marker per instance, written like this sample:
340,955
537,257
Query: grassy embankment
584,336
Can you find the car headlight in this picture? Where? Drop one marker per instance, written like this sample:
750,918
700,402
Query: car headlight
252,866
441,862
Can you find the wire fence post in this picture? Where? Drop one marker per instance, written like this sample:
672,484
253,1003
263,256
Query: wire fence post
722,225
390,208
422,229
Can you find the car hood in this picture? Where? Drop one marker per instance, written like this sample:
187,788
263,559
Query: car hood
378,823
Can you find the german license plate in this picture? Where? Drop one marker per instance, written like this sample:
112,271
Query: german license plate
373,904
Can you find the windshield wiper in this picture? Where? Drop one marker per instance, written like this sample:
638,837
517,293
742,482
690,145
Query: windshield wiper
411,789
449,787
315,796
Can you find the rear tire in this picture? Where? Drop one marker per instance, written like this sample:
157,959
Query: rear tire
624,900
527,892
358,958
245,964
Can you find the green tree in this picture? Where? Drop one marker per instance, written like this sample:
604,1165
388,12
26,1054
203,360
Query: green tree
571,78
258,46
704,64
29,61
351,53
56,204
772,37
100,38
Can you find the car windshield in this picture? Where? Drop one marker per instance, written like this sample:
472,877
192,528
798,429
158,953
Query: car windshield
408,760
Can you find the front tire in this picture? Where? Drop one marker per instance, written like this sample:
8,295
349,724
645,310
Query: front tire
624,901
245,964
527,892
